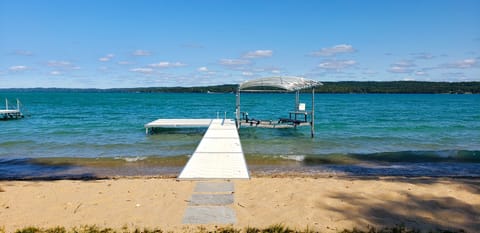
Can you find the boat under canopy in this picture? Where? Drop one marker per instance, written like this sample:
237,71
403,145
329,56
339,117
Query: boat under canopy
300,116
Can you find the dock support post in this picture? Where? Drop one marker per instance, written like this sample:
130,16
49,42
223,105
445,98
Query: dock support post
312,123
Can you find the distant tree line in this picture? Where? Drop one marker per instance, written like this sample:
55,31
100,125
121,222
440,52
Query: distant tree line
407,87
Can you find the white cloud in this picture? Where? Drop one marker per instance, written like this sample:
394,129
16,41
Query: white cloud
462,64
258,54
402,67
275,71
140,52
18,68
336,64
246,73
59,63
404,63
331,51
142,70
56,72
106,58
203,69
166,64
234,62
421,73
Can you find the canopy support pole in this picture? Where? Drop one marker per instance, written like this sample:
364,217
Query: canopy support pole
297,100
312,123
237,109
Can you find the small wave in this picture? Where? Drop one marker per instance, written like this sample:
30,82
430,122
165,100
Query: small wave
132,159
298,158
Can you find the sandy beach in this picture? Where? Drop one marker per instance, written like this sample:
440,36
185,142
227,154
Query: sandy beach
325,204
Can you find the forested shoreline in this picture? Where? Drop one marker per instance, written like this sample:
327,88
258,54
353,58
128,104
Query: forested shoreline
393,87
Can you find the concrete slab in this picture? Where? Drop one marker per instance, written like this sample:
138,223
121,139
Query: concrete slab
209,215
211,199
214,187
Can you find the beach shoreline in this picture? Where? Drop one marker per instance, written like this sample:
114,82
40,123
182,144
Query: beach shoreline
321,203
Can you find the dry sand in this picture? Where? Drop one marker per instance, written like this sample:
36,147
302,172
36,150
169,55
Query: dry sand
325,204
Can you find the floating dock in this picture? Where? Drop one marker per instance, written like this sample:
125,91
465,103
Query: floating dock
177,123
219,154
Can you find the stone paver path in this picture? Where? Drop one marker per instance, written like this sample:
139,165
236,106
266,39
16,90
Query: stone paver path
211,203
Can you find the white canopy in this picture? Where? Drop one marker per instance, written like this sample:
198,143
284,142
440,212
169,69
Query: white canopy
287,83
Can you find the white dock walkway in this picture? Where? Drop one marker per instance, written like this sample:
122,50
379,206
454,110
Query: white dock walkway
179,123
219,155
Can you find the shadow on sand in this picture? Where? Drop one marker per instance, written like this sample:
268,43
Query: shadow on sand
434,211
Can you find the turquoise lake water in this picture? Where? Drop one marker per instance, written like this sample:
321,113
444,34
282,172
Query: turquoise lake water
358,134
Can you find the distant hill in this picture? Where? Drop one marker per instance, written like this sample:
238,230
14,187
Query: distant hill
407,87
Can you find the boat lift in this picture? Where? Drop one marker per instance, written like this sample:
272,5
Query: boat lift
10,114
300,116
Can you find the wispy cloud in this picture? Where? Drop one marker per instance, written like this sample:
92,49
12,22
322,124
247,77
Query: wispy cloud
140,52
336,64
461,64
166,64
454,75
106,58
62,65
258,54
18,68
402,67
423,55
334,50
369,72
192,46
202,69
234,62
142,70
55,63
400,70
23,53
421,73
55,72
124,63
247,73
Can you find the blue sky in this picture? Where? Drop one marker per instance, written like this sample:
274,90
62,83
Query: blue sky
112,43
